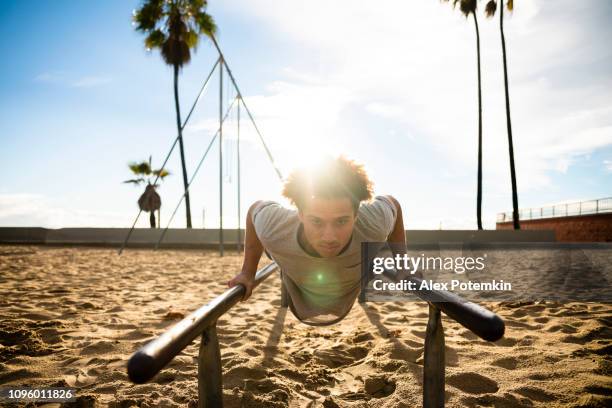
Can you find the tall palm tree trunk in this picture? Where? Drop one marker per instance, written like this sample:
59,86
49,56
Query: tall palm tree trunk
180,137
479,193
515,213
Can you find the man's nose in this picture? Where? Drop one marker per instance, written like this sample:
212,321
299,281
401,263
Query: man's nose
329,235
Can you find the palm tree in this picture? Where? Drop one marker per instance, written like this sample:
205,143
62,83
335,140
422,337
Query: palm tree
149,201
468,7
490,12
174,26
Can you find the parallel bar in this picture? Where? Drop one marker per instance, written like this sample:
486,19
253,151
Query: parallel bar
210,382
479,320
150,359
433,365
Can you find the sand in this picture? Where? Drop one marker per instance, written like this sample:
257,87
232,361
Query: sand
73,316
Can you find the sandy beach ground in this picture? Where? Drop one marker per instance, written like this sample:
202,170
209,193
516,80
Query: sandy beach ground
73,316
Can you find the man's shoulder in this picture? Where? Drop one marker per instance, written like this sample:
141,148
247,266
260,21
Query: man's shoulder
377,207
376,218
272,220
270,208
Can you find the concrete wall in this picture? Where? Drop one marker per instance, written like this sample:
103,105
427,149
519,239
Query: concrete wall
199,238
580,228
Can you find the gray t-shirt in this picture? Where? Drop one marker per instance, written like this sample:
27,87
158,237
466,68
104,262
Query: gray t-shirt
321,290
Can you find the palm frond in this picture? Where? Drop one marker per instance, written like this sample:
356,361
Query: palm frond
191,39
197,5
135,181
207,25
149,15
176,52
140,168
174,26
467,7
490,8
161,173
155,39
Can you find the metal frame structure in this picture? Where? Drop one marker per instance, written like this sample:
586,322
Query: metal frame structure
222,63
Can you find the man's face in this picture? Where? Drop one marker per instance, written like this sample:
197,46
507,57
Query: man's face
328,224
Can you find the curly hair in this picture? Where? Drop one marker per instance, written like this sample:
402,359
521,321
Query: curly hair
334,178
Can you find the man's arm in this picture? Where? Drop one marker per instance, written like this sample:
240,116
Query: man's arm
398,235
253,249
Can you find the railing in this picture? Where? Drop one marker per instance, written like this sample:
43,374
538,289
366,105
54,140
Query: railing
602,205
150,359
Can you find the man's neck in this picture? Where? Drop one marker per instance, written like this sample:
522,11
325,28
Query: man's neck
305,244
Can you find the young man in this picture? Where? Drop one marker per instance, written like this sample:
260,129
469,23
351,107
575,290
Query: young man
318,246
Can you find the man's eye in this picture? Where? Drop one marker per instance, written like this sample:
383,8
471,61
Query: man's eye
316,222
342,222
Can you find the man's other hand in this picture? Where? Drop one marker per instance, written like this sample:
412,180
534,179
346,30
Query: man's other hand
246,279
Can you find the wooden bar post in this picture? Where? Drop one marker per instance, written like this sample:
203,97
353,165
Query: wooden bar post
210,383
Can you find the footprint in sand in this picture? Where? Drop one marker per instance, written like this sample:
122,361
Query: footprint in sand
509,363
379,387
334,358
472,383
98,348
505,342
594,334
535,394
490,400
362,337
563,328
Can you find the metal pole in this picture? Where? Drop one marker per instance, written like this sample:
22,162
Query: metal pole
221,156
433,367
238,241
246,108
210,382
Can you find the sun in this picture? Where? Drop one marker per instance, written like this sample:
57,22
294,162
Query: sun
310,155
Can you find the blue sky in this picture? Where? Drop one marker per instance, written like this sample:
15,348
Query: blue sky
391,84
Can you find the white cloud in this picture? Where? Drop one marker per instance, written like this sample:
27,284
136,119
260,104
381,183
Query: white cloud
414,64
90,81
63,78
36,210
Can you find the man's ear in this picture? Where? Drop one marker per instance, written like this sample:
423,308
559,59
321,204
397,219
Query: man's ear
301,215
